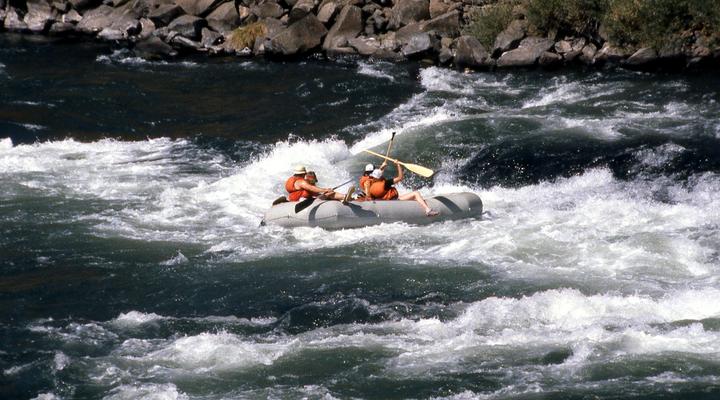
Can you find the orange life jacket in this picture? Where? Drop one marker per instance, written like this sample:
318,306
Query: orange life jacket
380,192
364,179
296,194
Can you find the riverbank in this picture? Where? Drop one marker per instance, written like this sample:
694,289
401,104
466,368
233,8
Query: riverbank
462,34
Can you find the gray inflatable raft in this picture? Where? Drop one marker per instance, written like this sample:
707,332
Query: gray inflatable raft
332,214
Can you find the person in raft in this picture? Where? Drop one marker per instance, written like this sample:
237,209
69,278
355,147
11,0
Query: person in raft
376,187
301,186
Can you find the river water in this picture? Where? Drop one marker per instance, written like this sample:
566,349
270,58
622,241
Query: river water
132,264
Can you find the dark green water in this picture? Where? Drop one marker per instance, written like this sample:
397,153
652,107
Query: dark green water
132,264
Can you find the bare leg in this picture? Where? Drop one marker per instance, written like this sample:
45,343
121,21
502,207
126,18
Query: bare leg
417,197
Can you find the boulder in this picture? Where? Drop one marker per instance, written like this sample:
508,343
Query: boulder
446,25
365,46
445,56
153,48
301,36
39,16
438,7
197,7
407,11
181,42
327,11
550,60
611,53
72,17
387,55
469,52
417,44
390,42
147,27
224,18
510,37
587,55
164,14
347,26
645,57
96,19
301,9
81,4
188,26
268,9
61,6
243,12
110,34
563,46
13,21
210,38
527,53
61,28
571,55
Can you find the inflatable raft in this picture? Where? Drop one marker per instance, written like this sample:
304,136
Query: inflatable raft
332,214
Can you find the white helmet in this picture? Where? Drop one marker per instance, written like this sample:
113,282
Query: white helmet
369,168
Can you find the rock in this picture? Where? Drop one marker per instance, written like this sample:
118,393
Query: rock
210,38
438,7
243,13
611,53
340,52
571,55
388,55
147,27
447,25
527,53
645,57
197,7
164,14
407,11
301,9
81,4
301,36
510,37
445,56
365,46
550,60
469,52
370,8
182,42
39,16
61,28
578,44
61,6
347,26
327,11
2,16
96,19
224,18
390,42
154,48
587,55
72,17
110,34
188,26
13,21
418,43
563,46
268,9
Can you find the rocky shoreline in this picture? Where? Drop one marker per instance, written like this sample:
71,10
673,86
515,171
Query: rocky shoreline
394,30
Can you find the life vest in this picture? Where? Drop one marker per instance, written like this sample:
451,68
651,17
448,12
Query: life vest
381,190
296,194
364,179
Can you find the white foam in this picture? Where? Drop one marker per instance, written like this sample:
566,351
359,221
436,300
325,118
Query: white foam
375,70
136,318
6,143
61,360
165,391
46,396
178,259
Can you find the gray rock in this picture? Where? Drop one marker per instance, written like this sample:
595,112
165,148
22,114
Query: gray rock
526,54
39,16
408,11
340,51
61,6
301,36
81,4
438,7
347,26
96,19
550,60
588,54
225,18
417,44
154,48
390,42
611,53
110,34
301,9
365,46
13,21
181,42
268,9
572,55
243,12
72,17
644,57
327,11
446,25
2,16
445,56
510,37
387,55
188,26
469,52
61,28
147,27
164,14
210,38
197,7
563,46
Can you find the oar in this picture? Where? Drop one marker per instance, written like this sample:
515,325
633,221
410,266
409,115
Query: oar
387,154
418,169
306,203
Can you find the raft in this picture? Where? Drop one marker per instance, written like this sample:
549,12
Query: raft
332,214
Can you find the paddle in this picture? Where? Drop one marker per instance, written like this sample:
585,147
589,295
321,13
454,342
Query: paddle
418,169
306,203
387,153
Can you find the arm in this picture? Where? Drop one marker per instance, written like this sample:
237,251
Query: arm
312,188
366,189
400,175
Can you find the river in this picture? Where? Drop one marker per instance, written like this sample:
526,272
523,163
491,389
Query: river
132,264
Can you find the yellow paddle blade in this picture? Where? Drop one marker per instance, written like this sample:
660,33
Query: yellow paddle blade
418,169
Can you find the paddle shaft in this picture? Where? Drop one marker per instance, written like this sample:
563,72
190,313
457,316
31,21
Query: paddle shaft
418,169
